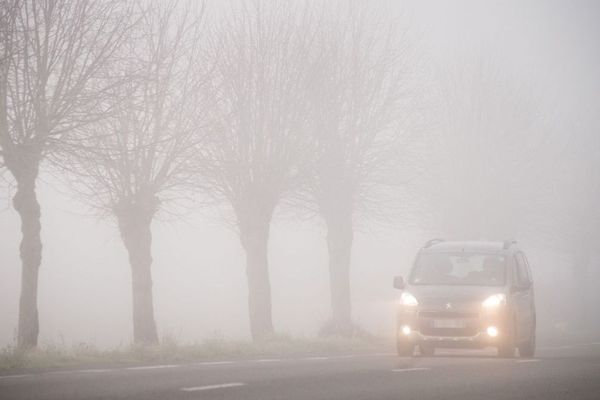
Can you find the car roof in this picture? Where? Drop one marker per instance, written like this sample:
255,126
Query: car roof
468,246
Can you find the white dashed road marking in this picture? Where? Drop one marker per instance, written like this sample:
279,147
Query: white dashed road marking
214,363
410,369
267,360
528,361
212,387
152,367
94,371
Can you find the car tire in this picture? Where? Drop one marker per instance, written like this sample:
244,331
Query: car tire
507,349
426,350
404,348
527,348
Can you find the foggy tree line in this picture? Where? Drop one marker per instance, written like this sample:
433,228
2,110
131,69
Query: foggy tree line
52,84
141,105
144,107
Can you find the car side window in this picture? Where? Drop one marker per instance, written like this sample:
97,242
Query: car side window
512,269
523,277
528,267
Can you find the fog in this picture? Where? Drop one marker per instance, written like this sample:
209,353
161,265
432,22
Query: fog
500,140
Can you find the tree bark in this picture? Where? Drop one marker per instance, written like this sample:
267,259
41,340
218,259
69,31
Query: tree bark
581,272
26,204
339,243
135,227
254,235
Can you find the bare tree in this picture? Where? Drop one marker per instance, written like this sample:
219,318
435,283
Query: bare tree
493,152
573,204
262,53
361,110
8,16
508,173
56,51
137,161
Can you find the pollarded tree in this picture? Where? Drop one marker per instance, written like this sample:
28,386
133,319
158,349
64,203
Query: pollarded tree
8,19
362,100
508,173
137,161
54,52
262,54
494,149
572,223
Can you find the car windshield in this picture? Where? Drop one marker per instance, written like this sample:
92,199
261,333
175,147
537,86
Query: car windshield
459,269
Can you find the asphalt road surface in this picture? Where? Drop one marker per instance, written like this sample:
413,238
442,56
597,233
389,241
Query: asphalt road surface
559,372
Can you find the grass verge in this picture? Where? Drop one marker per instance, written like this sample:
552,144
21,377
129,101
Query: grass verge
170,351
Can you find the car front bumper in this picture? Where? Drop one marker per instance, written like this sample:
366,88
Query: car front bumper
472,333
478,341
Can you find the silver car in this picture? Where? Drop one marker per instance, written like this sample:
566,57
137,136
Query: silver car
467,295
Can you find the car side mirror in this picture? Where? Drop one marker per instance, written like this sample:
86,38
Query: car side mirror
398,282
521,287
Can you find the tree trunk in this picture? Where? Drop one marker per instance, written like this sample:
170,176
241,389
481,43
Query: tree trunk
26,204
339,244
581,272
254,236
135,227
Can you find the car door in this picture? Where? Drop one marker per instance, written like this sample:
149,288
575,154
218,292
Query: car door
523,297
530,295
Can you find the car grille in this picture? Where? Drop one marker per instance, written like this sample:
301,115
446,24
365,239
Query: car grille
448,314
469,320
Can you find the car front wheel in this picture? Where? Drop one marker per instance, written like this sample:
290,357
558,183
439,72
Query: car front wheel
426,350
404,348
527,348
507,348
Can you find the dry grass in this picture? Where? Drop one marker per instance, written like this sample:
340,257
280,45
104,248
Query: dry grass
170,350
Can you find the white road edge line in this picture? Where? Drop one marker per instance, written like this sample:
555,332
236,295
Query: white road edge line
152,367
214,363
211,387
207,363
410,369
568,346
15,376
528,361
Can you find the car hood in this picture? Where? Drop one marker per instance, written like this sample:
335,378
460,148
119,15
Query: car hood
456,296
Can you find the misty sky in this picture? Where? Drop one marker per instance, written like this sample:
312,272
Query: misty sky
198,269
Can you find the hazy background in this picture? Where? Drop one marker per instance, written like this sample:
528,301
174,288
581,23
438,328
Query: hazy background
198,270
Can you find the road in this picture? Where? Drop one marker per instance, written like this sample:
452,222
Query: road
560,372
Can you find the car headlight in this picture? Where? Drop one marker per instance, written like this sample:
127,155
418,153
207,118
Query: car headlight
494,301
407,299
